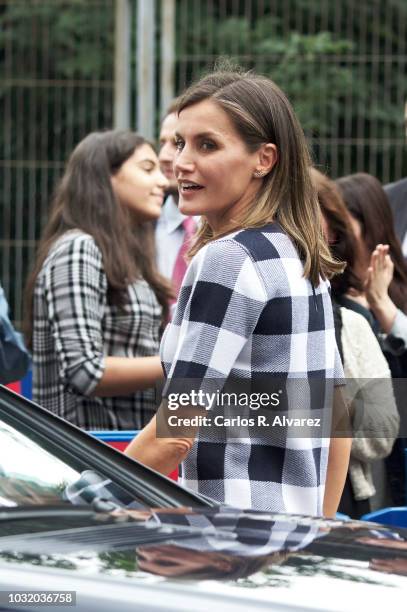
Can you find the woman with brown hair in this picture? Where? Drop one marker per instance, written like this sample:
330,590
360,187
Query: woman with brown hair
96,301
369,389
383,271
379,263
254,306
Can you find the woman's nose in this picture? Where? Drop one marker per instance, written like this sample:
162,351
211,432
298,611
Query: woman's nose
183,162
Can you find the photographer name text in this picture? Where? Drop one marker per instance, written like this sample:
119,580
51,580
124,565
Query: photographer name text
239,421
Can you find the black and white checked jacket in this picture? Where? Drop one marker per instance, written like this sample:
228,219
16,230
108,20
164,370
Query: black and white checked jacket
245,311
75,328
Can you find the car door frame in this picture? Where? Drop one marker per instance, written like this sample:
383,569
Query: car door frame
69,441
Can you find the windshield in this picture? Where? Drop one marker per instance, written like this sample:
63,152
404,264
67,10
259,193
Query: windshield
32,475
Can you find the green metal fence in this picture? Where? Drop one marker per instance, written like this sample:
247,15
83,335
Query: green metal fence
56,85
342,63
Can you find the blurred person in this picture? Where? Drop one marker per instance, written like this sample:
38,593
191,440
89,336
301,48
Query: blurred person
96,301
174,230
14,357
373,226
368,376
254,304
372,222
397,195
167,150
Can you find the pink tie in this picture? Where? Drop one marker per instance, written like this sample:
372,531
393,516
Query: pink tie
180,266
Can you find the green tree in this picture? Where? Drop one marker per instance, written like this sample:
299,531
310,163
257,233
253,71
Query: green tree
341,64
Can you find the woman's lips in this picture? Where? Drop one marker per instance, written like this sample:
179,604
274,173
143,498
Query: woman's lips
190,193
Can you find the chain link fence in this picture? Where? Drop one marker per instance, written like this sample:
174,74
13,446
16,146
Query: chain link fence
56,85
343,65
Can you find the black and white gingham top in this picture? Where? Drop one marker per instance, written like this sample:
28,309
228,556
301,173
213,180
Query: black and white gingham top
245,311
75,329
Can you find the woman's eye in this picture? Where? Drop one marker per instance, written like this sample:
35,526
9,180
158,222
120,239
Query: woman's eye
179,144
207,145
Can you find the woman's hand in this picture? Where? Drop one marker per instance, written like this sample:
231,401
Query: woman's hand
379,274
162,446
378,279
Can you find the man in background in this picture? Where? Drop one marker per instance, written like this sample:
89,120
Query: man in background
173,230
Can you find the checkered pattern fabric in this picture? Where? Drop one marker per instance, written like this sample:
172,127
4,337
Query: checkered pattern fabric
75,328
245,311
237,532
92,486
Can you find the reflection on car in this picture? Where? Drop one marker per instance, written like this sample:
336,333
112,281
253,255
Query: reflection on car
78,516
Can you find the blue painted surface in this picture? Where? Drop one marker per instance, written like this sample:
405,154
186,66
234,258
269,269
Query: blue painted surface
115,436
342,517
405,474
396,516
27,385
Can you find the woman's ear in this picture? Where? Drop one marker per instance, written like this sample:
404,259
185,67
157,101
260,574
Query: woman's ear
267,158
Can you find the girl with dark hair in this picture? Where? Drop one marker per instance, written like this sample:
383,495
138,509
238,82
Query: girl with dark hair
96,302
368,377
254,305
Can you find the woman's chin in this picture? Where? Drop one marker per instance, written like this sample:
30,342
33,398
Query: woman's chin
187,208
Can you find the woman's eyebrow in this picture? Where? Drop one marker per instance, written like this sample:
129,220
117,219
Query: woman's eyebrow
207,134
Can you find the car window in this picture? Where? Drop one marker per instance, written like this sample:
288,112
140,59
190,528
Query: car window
31,475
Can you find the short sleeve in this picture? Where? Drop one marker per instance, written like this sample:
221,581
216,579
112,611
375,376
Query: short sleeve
219,306
75,289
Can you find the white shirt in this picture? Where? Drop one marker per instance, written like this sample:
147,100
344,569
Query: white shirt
169,236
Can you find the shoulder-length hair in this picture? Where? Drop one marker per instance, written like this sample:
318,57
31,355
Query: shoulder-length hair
84,199
261,113
367,201
342,242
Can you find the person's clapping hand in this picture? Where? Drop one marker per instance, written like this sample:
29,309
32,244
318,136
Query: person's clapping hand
378,279
379,274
